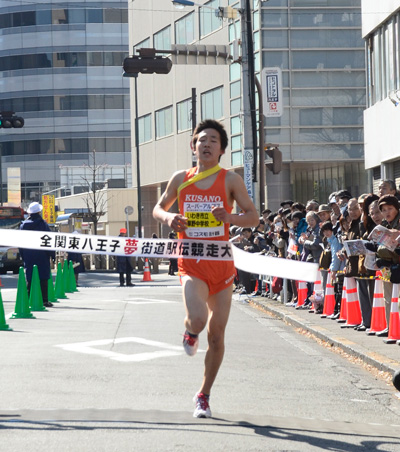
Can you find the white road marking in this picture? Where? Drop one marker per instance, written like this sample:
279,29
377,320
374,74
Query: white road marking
90,349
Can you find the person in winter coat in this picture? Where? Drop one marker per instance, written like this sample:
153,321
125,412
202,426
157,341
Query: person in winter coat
40,258
124,267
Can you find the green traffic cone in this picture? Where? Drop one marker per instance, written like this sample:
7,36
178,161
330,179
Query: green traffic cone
59,289
50,290
22,310
66,277
72,280
3,324
35,295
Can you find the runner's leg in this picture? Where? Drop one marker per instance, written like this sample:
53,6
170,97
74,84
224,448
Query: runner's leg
195,294
219,307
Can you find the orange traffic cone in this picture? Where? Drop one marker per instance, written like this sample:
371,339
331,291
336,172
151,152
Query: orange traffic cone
146,274
394,322
301,293
353,305
378,318
329,301
343,304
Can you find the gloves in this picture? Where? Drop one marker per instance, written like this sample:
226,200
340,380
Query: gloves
383,263
370,246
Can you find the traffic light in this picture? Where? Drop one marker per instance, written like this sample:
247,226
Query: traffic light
8,120
146,65
272,150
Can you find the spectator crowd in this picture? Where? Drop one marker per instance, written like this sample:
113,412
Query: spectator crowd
322,233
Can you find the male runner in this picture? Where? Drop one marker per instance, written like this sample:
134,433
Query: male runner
205,206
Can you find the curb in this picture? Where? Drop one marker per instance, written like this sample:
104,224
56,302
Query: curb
374,359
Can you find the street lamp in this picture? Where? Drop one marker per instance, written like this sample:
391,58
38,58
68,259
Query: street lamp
146,63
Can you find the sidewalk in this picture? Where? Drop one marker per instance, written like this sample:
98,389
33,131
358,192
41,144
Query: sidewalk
370,349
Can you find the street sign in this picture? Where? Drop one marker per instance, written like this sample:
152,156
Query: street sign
271,83
128,210
248,171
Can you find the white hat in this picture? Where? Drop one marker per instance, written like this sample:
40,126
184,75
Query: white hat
34,207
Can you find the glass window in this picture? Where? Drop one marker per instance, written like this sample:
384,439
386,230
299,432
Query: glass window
235,89
112,16
184,29
145,44
94,16
236,125
275,39
209,22
235,106
59,16
212,104
304,3
96,102
324,18
5,21
236,158
311,117
144,124
236,142
328,79
76,16
28,18
329,59
326,135
327,97
274,18
276,59
234,71
164,122
303,39
113,102
184,115
162,39
272,3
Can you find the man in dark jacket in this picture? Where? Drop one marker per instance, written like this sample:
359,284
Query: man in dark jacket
124,267
37,257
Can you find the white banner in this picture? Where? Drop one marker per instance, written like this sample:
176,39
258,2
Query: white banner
161,248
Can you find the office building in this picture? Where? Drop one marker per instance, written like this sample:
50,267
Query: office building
61,70
320,50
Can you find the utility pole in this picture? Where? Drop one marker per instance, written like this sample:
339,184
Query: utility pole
250,156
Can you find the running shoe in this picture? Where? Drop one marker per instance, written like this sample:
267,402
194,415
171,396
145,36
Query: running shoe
202,406
190,343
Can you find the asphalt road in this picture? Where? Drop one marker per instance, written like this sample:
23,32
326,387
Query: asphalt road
104,371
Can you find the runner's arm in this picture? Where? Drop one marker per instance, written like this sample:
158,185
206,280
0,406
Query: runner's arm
175,221
237,192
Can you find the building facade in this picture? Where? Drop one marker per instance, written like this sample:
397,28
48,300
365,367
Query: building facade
381,31
320,50
61,70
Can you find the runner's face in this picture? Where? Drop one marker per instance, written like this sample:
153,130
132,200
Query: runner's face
208,146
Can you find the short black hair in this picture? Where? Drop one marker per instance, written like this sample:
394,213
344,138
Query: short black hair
326,226
211,124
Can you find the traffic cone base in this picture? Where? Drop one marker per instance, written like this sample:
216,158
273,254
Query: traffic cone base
3,325
353,305
394,322
146,274
35,296
301,293
343,304
329,300
378,317
22,310
51,295
59,287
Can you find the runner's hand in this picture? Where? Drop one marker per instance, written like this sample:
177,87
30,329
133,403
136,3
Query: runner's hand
177,222
221,214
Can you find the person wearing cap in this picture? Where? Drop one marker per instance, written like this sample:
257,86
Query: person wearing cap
324,213
343,197
124,266
40,258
